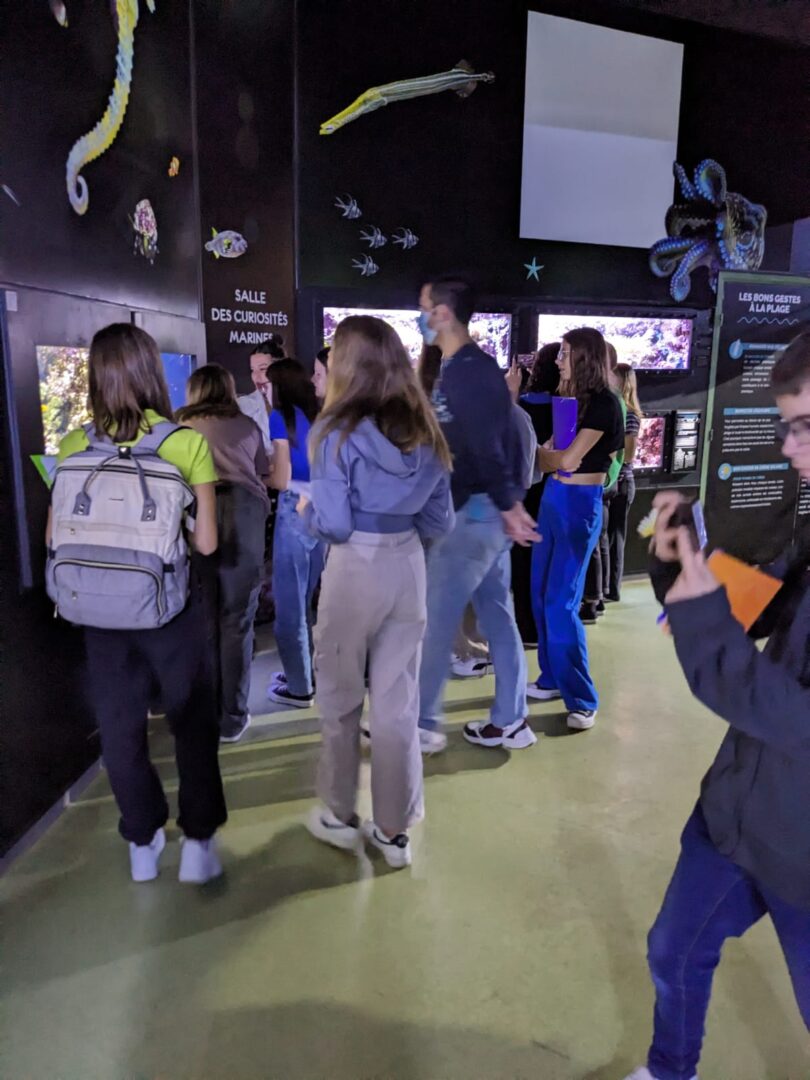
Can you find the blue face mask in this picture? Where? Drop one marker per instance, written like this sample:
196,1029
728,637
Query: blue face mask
429,336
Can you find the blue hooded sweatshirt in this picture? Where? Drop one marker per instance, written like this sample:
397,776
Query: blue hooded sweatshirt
367,484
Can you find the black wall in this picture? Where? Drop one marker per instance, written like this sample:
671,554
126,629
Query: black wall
450,168
56,82
245,105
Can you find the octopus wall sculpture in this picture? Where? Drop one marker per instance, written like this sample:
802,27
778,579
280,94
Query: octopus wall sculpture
714,227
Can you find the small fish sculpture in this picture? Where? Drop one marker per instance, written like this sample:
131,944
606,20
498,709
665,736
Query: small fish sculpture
406,239
174,166
366,266
713,227
373,237
349,207
144,224
462,79
59,11
226,244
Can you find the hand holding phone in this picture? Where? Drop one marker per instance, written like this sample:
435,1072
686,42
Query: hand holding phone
690,516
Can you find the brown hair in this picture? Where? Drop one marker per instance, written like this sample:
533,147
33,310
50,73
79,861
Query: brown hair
628,388
589,364
125,379
371,377
545,376
428,367
791,372
210,391
292,389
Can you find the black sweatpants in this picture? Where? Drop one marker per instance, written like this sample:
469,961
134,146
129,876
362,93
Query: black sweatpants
124,668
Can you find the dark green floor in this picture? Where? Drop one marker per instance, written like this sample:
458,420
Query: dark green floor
513,949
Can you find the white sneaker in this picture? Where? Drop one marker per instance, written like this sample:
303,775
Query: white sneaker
539,694
324,826
396,849
432,742
644,1074
199,861
581,719
144,858
474,668
518,736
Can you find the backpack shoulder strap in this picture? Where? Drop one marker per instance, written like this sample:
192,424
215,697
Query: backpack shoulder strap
154,439
95,441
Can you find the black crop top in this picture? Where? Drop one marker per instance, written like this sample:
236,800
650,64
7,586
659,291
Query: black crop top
602,413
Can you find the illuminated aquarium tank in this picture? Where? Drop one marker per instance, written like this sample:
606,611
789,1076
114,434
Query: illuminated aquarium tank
62,391
649,343
651,442
63,388
490,331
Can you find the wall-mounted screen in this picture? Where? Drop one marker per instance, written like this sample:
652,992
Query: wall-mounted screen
648,343
686,440
652,443
177,367
492,331
597,95
63,388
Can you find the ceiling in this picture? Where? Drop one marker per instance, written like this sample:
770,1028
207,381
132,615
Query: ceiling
786,20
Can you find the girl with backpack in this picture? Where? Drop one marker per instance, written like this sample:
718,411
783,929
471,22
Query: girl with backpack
243,505
380,486
94,551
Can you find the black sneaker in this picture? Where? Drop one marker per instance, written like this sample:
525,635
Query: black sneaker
587,613
600,609
282,696
231,731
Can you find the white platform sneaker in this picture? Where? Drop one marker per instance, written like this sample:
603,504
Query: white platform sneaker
199,861
144,859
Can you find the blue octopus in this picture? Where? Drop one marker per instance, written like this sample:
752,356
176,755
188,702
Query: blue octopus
715,228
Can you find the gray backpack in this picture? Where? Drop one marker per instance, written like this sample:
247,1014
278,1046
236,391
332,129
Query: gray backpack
118,558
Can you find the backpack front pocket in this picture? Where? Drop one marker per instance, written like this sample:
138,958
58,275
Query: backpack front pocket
110,588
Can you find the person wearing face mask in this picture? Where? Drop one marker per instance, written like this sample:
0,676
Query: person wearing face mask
474,407
257,405
745,851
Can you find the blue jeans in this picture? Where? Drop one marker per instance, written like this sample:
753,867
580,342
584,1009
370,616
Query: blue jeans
709,899
298,560
472,564
570,523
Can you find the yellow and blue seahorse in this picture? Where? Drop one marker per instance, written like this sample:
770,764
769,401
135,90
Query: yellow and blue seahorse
96,142
462,78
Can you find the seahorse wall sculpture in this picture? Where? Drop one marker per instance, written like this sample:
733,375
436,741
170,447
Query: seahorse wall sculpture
96,142
715,228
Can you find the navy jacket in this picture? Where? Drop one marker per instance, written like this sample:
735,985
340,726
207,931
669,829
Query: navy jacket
756,795
474,407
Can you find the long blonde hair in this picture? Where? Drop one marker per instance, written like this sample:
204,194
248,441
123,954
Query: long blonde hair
628,388
371,377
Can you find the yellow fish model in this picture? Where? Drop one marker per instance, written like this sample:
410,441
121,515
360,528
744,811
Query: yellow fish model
462,79
96,142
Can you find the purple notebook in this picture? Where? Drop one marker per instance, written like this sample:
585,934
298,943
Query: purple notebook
564,420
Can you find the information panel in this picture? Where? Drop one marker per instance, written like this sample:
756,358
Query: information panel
749,491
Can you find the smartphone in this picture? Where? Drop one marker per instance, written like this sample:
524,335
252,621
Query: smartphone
691,516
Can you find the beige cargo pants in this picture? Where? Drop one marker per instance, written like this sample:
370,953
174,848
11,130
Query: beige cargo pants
372,606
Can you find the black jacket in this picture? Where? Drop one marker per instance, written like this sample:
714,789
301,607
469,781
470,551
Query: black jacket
756,795
474,407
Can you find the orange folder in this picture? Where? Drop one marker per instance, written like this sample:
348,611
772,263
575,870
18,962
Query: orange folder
749,590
